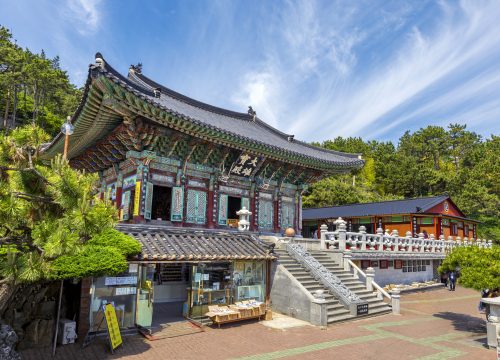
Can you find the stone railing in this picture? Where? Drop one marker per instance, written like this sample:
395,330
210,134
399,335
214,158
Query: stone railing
349,299
341,239
371,285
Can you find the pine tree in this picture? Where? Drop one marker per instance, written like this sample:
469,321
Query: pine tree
52,226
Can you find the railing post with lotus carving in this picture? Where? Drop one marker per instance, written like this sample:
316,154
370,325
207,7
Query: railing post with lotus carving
323,231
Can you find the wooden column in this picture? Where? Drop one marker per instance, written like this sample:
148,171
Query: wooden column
119,190
210,204
268,282
140,193
253,217
276,211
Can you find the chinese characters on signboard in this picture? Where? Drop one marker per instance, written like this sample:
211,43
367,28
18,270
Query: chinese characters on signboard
244,165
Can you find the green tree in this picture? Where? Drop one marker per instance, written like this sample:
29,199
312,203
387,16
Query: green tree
52,226
33,88
479,268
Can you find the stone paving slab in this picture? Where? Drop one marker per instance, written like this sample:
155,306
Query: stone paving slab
433,326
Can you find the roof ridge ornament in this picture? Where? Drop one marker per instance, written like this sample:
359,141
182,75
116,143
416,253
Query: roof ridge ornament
252,113
99,60
136,68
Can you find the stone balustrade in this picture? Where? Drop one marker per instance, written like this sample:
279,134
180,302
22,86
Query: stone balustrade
341,239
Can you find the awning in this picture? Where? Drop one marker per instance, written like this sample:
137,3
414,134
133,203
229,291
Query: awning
166,243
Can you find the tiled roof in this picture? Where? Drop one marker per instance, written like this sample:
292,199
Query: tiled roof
405,206
241,124
166,243
95,119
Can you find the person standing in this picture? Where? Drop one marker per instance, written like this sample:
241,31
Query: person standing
453,280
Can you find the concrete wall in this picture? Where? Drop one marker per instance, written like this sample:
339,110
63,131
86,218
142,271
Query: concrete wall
288,296
397,276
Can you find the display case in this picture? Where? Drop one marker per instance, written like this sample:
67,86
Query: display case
249,292
120,290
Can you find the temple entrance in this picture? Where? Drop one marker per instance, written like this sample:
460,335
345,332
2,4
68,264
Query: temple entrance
162,200
233,206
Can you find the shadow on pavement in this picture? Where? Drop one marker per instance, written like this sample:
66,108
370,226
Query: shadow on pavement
467,323
99,349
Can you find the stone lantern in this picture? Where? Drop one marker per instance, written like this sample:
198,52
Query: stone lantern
244,223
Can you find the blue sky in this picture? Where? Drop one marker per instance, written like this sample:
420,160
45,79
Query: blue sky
316,69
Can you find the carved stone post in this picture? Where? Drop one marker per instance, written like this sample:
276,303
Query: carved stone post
362,231
323,230
341,228
395,300
347,257
370,275
421,241
396,242
409,241
380,238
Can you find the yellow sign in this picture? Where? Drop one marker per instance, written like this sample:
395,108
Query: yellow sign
137,198
115,337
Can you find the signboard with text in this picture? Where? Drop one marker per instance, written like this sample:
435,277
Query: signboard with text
115,337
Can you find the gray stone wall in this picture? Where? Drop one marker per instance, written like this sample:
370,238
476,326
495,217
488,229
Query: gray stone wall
288,296
397,276
8,341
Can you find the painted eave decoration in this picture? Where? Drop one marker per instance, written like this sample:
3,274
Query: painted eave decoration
112,103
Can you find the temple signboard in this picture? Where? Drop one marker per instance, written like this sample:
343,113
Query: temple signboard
244,165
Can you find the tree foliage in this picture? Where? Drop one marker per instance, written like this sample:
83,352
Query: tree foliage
430,161
33,88
479,268
52,226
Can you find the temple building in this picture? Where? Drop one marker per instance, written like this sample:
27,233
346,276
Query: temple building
437,215
179,171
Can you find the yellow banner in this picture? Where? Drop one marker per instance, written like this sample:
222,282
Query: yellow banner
115,337
137,198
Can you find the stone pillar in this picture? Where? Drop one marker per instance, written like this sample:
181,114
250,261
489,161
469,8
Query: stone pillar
341,228
362,231
347,256
380,239
395,299
323,230
319,315
370,275
84,316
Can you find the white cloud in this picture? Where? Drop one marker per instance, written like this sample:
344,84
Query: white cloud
260,90
428,73
466,37
85,13
300,49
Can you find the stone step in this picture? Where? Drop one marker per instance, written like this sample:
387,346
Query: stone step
339,318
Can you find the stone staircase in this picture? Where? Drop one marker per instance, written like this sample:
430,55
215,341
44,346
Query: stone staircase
336,311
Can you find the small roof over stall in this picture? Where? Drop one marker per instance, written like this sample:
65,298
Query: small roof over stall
165,243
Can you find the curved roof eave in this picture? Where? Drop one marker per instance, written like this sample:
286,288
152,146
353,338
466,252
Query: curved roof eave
352,161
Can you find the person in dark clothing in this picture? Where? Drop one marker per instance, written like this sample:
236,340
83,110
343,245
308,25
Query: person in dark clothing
453,280
444,279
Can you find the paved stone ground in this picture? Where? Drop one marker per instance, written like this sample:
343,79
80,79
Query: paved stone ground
434,325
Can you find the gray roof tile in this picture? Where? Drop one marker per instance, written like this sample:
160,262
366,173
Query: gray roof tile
405,206
166,243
